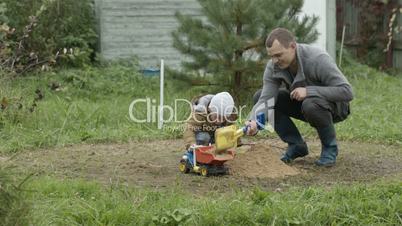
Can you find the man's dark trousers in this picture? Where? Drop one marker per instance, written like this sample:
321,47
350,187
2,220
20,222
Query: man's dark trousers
318,112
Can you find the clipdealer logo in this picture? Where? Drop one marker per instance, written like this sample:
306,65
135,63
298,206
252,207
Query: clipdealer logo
171,114
152,110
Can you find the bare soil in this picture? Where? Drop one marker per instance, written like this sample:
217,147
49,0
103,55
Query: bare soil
261,161
154,164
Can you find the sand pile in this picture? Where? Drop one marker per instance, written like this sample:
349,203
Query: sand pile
260,161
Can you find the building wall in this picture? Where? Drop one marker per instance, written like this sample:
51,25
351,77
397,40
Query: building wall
142,28
326,27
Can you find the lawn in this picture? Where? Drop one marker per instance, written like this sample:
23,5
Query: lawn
90,106
77,202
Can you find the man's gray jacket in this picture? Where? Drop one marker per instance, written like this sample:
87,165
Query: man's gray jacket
317,72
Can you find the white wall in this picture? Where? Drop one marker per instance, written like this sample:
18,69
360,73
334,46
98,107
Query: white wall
325,10
318,8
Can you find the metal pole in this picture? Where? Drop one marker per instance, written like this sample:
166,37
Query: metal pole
340,52
162,74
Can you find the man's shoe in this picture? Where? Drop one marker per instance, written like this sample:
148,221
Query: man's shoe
326,162
329,149
295,151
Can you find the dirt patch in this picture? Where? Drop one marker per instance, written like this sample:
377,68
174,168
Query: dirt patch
261,161
155,164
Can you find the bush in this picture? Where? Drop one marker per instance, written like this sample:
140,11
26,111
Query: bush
64,26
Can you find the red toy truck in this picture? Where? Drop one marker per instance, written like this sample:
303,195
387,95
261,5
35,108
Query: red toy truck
204,160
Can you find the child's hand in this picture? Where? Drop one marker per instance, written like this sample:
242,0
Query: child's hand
189,145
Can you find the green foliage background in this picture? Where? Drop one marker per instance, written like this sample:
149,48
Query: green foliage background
61,24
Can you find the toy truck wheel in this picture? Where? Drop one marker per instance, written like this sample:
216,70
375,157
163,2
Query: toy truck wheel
183,167
204,171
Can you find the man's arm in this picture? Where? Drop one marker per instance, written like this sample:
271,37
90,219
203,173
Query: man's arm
335,87
269,90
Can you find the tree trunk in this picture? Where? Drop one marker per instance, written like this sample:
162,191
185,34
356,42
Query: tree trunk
237,74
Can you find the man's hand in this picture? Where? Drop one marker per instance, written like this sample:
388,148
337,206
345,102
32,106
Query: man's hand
299,94
252,128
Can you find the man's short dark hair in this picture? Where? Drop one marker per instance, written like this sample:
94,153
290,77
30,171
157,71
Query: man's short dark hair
284,36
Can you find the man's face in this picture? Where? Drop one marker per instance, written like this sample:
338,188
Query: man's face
281,56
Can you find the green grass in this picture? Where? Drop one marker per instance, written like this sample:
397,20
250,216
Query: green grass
13,207
376,108
75,202
92,106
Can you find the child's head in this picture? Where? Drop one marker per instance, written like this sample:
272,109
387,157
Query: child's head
220,108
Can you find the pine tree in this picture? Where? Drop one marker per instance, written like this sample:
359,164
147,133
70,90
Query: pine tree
229,41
